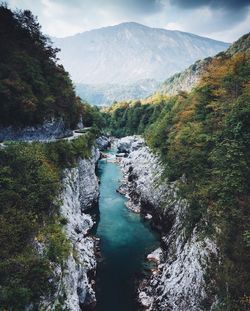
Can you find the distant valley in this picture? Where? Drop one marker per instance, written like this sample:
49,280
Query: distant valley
106,94
129,60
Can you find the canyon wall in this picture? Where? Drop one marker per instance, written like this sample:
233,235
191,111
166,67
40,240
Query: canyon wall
49,130
75,279
183,262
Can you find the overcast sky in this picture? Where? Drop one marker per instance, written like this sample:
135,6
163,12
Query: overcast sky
224,20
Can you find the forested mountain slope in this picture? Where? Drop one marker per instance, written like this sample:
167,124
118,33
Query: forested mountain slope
43,186
107,94
186,80
203,140
33,88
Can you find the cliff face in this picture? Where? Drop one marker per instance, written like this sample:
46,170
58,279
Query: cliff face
49,130
81,192
141,175
75,286
179,282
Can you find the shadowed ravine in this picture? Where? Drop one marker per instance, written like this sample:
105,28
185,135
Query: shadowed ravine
125,240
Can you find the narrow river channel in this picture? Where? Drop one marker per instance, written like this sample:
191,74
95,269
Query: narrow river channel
125,240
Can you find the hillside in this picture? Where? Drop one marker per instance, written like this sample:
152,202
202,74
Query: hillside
33,87
203,140
187,79
184,80
43,186
106,94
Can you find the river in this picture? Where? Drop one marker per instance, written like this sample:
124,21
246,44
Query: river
125,240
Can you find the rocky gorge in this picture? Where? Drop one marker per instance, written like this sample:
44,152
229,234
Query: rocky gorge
179,279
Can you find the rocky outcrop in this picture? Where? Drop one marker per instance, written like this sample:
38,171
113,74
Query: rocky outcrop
179,282
81,192
103,143
75,280
88,182
129,143
49,130
141,175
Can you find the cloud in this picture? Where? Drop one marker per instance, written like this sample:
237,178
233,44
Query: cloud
233,33
206,20
227,12
217,4
62,18
135,6
211,18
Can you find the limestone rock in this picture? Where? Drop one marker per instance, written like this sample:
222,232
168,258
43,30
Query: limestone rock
75,279
103,142
49,130
179,283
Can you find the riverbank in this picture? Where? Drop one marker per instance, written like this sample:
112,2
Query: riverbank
180,281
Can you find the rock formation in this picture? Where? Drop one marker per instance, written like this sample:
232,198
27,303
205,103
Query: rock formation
179,283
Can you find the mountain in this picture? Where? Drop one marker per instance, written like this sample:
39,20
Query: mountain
127,53
105,94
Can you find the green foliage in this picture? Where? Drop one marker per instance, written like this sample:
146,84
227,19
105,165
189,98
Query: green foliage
65,153
93,117
30,182
29,185
32,86
58,246
20,164
204,137
132,118
23,278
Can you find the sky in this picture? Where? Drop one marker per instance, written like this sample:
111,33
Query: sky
224,20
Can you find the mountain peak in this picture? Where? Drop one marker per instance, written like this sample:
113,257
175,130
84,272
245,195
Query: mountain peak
129,52
130,25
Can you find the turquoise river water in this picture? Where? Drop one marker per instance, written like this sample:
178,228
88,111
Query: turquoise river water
125,240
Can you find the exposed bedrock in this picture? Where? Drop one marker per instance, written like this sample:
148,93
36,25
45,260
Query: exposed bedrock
180,281
49,130
75,279
81,191
103,142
